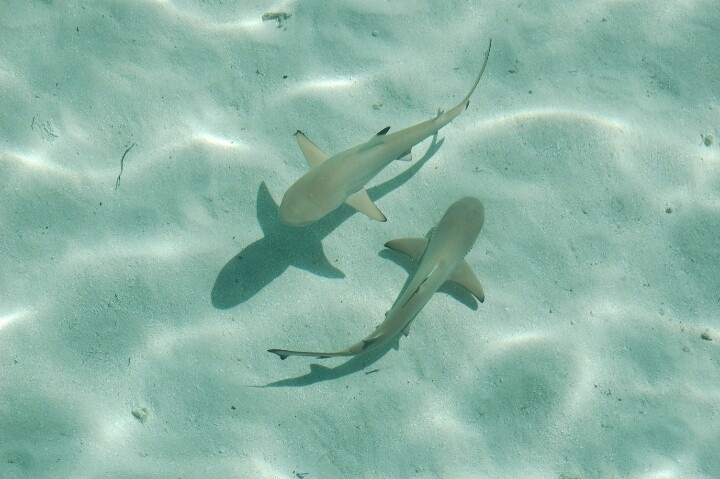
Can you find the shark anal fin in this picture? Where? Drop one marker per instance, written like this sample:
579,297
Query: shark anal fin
413,247
313,155
407,156
374,141
362,202
465,277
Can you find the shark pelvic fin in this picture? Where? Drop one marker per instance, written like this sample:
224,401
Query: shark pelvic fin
407,156
362,202
465,277
413,247
313,155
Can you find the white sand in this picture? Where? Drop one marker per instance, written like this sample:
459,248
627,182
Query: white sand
600,254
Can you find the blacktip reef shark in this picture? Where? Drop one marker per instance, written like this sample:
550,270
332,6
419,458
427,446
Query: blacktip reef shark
333,180
441,258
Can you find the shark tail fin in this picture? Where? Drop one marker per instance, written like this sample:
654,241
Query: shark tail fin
448,116
285,353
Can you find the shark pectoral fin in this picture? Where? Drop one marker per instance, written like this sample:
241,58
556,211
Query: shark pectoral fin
413,247
313,155
406,330
362,202
407,156
374,141
465,277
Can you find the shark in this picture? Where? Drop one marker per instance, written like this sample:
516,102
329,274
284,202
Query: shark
441,258
338,179
283,246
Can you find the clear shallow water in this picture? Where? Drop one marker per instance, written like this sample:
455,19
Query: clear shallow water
134,320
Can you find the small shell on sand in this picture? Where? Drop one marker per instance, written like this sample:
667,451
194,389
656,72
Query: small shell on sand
141,414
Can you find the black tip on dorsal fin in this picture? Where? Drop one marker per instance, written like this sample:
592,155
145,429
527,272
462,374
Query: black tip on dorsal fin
277,351
467,104
383,131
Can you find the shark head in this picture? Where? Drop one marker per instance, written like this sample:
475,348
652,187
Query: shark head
462,222
302,206
469,212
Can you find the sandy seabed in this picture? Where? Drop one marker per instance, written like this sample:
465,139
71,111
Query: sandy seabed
136,308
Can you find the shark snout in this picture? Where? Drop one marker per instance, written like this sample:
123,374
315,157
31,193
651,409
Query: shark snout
295,210
472,206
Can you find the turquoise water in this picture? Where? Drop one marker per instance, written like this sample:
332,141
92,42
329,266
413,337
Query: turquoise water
145,271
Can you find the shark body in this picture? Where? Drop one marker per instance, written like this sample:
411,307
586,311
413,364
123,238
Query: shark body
441,258
340,179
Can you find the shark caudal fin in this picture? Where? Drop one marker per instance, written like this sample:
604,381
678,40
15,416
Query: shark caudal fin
448,116
284,353
356,348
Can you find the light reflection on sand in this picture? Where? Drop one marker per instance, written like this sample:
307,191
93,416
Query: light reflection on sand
162,342
160,247
320,86
10,318
219,141
37,163
204,22
504,121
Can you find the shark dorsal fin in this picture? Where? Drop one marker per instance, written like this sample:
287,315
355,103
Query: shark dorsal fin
413,247
374,141
313,155
362,202
465,277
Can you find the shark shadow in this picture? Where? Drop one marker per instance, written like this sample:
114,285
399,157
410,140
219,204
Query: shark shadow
282,246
